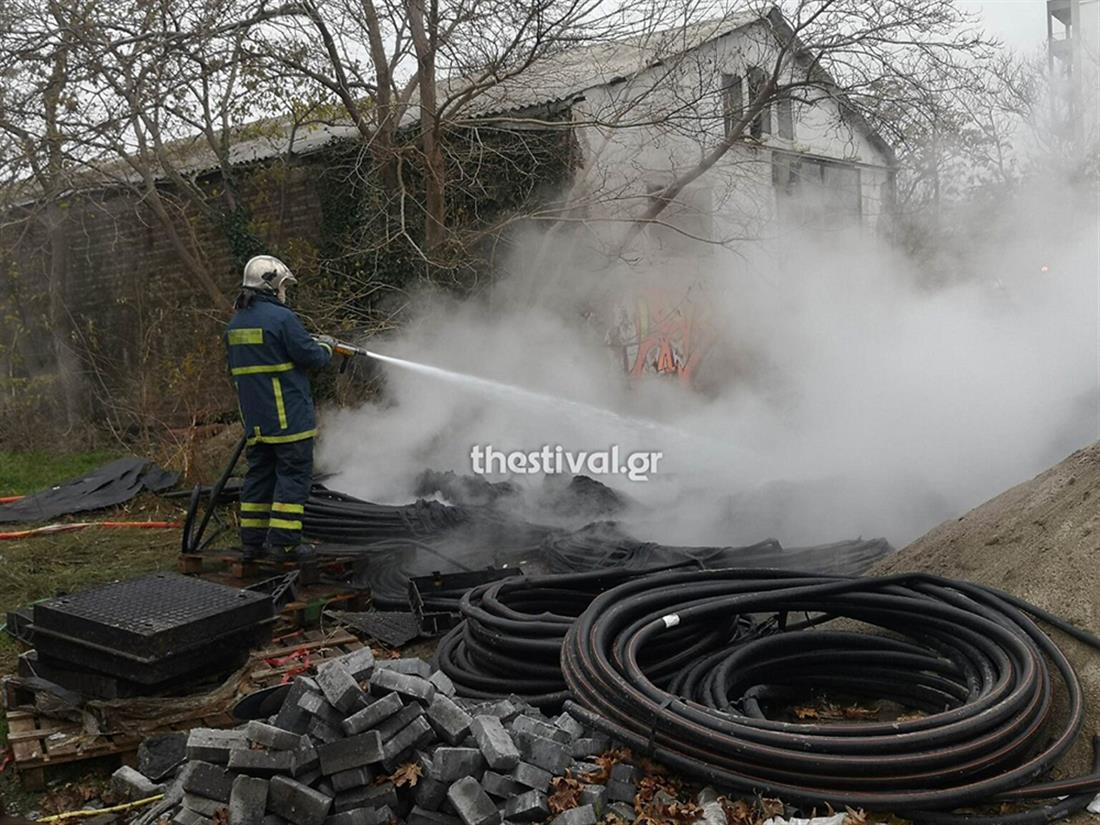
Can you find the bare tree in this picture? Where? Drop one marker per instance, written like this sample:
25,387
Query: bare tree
40,116
852,52
429,65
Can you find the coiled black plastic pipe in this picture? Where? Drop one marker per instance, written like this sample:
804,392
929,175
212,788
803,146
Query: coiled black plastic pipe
509,641
968,656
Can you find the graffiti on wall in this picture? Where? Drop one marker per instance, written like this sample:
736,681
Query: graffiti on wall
662,332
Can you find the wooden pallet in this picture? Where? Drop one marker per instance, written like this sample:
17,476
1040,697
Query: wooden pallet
40,743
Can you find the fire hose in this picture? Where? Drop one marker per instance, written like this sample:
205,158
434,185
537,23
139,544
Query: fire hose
73,526
971,658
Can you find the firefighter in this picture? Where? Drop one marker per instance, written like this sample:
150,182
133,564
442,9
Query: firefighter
269,353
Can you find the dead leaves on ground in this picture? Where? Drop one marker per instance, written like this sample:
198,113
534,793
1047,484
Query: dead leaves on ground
830,712
405,776
565,793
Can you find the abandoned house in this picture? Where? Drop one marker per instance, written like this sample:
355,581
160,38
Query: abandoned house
635,114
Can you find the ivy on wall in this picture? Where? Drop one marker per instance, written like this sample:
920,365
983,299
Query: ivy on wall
371,237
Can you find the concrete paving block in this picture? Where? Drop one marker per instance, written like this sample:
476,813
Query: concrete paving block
291,715
531,806
416,734
160,755
362,816
322,732
424,816
503,709
130,783
373,796
430,792
531,776
354,778
570,725
583,815
340,688
410,666
306,759
536,727
450,721
359,663
472,804
211,781
442,683
624,772
623,810
618,791
384,681
500,786
297,803
316,705
248,801
580,769
261,762
373,714
399,721
185,816
272,736
590,746
353,752
213,745
201,805
449,764
496,745
274,819
545,753
594,795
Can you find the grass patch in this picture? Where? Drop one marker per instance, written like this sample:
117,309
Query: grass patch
47,566
22,473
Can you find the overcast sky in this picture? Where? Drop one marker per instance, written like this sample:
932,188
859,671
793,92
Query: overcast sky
1021,24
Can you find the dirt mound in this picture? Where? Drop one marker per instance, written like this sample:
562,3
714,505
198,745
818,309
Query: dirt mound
1039,540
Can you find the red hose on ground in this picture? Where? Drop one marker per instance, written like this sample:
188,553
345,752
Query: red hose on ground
50,529
10,499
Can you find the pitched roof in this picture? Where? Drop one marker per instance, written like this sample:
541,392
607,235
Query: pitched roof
567,74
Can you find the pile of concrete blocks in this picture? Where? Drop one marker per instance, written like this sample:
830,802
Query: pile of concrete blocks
345,743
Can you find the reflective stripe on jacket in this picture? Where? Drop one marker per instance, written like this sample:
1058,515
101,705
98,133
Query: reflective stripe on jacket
269,350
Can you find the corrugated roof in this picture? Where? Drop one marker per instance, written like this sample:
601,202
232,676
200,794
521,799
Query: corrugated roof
193,156
568,74
196,156
557,78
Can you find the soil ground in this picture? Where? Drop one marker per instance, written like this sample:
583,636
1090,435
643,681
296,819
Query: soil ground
1040,541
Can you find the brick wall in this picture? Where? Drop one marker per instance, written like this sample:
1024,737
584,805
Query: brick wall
147,333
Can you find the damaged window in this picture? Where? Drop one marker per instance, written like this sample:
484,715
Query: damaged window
816,193
784,114
733,104
761,124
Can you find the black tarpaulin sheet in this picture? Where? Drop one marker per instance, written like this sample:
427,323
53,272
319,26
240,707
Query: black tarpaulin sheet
109,485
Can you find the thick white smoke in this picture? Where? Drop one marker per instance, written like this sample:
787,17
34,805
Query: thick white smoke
846,396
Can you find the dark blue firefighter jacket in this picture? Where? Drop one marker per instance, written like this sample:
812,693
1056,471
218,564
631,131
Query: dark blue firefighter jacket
269,351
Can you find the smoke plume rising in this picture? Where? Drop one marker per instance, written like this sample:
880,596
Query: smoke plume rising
847,389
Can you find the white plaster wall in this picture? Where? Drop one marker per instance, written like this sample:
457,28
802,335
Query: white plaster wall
637,136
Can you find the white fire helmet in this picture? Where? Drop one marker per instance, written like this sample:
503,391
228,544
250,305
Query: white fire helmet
267,274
